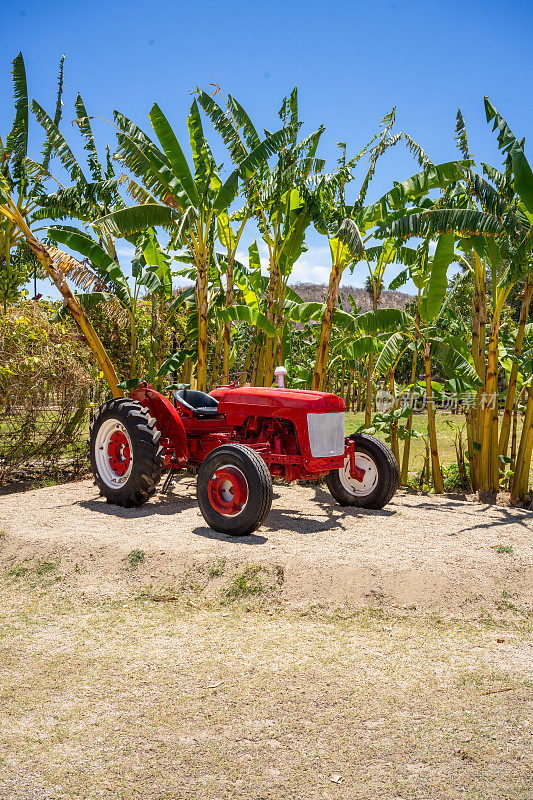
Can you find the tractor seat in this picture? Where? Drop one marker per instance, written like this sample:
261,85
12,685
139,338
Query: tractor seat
201,404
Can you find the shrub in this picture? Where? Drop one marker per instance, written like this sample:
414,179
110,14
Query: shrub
47,384
454,480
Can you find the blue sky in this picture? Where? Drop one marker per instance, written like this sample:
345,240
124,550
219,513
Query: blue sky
352,61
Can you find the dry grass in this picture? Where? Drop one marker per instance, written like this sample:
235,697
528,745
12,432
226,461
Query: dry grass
166,701
232,686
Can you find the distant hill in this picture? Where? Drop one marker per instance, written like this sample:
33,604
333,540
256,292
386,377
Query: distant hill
316,293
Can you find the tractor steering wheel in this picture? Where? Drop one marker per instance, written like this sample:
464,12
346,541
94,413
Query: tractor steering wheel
233,384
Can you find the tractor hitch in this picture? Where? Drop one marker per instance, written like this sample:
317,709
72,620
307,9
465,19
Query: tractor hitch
357,473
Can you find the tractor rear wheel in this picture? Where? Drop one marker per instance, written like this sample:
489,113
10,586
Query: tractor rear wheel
125,452
379,480
234,489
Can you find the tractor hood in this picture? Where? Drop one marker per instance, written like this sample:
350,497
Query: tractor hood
271,402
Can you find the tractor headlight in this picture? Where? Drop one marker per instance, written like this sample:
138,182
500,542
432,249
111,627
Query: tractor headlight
326,434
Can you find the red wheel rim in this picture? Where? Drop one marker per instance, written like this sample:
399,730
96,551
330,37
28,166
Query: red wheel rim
118,452
228,491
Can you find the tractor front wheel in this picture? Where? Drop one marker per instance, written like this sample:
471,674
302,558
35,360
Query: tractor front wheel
125,452
234,489
377,478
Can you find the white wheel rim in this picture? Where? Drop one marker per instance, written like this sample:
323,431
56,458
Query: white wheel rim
101,453
369,482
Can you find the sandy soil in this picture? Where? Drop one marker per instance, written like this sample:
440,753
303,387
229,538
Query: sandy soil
430,552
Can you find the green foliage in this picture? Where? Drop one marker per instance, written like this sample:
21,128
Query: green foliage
246,583
46,385
135,557
15,272
505,548
454,479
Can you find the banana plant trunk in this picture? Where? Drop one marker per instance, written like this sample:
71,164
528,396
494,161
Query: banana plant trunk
489,479
227,326
404,475
394,425
511,389
269,350
325,329
525,449
80,317
432,430
479,321
201,304
368,401
216,361
368,397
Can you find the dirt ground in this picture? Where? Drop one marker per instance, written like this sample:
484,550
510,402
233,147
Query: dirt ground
433,552
335,654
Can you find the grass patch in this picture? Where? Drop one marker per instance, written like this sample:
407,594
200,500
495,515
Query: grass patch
244,584
17,571
216,569
135,557
253,580
43,567
505,604
505,548
194,580
32,570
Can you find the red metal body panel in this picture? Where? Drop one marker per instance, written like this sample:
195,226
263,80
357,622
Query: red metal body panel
173,436
271,421
289,449
237,404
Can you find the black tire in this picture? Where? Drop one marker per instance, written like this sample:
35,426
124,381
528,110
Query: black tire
244,462
139,481
382,484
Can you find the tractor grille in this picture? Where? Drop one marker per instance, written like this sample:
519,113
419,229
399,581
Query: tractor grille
326,434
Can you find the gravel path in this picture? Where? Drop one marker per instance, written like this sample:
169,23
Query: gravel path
424,551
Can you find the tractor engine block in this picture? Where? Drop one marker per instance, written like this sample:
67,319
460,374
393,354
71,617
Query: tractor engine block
279,436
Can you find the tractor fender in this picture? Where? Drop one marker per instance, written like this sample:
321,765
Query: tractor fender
167,420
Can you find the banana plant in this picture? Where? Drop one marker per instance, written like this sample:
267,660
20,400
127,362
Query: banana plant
250,306
185,204
20,190
275,194
247,307
493,217
21,179
93,191
430,275
327,202
359,227
229,239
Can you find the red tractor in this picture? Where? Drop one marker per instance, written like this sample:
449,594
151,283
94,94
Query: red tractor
238,439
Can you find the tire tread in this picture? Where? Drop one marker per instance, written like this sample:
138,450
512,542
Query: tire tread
230,525
147,452
388,482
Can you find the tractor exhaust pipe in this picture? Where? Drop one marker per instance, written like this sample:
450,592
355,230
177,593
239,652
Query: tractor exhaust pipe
279,374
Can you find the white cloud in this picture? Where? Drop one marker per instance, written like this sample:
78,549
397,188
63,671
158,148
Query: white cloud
125,251
313,266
